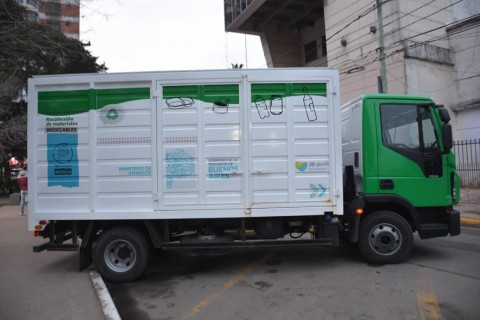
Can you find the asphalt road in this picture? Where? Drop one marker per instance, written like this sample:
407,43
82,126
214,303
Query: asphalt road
441,280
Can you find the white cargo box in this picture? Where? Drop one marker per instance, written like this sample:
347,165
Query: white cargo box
192,144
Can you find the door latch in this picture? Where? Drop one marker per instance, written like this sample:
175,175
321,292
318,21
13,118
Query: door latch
387,184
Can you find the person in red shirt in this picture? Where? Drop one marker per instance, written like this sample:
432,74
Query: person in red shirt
22,181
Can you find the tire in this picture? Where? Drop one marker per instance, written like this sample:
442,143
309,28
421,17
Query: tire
121,254
385,237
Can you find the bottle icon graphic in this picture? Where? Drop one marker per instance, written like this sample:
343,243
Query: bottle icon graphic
309,105
261,107
221,106
276,105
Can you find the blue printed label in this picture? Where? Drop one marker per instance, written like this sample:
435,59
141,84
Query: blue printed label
179,164
62,159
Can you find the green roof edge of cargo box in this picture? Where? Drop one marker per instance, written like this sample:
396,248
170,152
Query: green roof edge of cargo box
70,102
212,93
268,90
205,93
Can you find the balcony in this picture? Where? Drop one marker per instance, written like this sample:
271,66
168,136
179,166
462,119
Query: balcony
250,16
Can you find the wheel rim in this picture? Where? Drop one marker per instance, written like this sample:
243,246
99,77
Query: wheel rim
385,239
120,255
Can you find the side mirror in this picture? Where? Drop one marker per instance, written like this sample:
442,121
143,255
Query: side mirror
447,138
444,115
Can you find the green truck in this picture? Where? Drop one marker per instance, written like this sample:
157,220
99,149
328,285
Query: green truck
399,174
232,158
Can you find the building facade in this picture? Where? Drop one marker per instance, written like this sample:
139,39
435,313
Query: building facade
63,15
431,47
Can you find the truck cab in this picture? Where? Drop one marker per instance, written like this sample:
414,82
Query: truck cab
399,174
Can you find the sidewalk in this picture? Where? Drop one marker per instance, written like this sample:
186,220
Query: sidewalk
44,285
469,214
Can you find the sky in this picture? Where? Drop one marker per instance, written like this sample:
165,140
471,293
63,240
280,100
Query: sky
157,35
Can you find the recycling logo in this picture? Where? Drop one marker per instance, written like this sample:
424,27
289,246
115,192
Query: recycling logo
112,114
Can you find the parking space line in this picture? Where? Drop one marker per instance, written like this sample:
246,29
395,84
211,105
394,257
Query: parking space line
426,298
227,285
429,309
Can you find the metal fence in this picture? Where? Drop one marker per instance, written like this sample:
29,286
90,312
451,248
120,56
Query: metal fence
467,153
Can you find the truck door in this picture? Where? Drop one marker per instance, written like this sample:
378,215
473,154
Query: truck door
409,158
292,148
200,151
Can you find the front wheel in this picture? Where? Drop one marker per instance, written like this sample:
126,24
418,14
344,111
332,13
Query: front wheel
385,237
121,254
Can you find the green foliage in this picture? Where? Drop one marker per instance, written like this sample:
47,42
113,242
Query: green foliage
28,49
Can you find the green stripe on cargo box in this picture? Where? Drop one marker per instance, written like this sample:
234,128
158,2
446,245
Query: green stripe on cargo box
116,96
266,90
64,103
314,89
206,93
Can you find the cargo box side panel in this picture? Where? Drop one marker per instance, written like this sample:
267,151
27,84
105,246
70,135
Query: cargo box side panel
123,150
200,146
269,134
222,162
290,141
93,152
314,163
62,151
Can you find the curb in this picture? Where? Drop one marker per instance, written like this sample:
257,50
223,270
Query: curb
108,307
470,222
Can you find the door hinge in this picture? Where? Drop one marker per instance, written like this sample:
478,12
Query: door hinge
333,90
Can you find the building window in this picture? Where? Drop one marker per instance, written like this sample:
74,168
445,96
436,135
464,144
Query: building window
310,51
33,3
53,8
55,24
32,16
324,46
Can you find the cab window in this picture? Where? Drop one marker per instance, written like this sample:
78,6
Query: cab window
408,127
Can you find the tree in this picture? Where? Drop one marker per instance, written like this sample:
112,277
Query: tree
28,49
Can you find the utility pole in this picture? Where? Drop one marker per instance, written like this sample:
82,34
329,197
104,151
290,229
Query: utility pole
383,62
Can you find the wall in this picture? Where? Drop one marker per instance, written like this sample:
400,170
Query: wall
465,40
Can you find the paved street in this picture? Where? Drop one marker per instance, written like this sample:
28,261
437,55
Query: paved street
441,280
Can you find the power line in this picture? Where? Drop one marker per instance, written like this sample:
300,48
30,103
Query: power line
392,32
409,13
416,44
351,22
397,19
421,43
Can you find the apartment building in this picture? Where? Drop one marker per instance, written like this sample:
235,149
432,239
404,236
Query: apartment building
63,15
430,47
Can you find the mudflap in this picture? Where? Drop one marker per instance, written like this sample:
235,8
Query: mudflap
330,231
453,222
85,258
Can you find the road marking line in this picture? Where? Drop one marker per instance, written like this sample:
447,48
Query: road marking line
426,298
428,305
227,285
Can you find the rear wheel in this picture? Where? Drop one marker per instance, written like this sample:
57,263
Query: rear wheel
121,254
385,237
